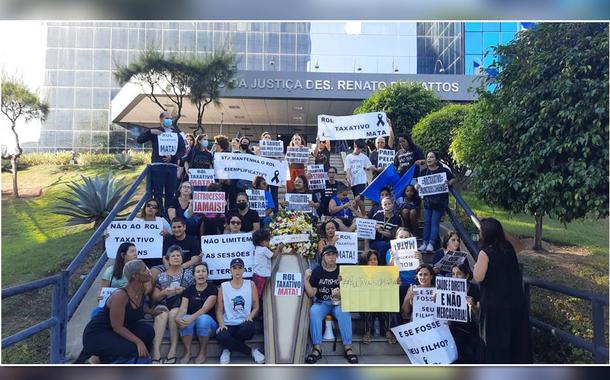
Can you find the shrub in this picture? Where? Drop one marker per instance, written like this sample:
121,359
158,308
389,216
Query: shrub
140,158
123,161
88,159
46,158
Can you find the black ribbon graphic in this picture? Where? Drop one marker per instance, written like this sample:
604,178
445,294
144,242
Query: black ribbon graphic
275,178
379,119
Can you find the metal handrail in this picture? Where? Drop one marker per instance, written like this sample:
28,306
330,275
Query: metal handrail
62,308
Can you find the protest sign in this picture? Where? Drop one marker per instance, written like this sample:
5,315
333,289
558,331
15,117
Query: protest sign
426,341
347,245
298,202
317,179
385,158
291,238
361,126
451,299
365,228
450,260
247,166
297,154
369,288
219,250
433,184
258,201
288,284
168,143
405,251
105,294
423,303
201,177
212,202
145,235
271,148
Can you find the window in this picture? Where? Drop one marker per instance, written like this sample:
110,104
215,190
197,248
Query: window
491,26
272,43
84,38
82,98
120,38
65,78
64,98
101,79
255,61
473,26
170,40
101,60
187,41
509,26
288,44
84,79
84,59
101,98
474,43
99,120
136,39
204,41
82,119
490,40
101,38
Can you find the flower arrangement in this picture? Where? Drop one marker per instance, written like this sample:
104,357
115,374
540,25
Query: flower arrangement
287,222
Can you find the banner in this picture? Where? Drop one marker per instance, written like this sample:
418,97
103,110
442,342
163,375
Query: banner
385,158
288,284
423,303
297,154
212,202
317,177
368,288
291,238
271,148
219,250
450,260
433,184
298,202
361,126
168,143
405,251
145,235
365,228
247,166
258,201
426,341
105,294
451,299
201,177
347,245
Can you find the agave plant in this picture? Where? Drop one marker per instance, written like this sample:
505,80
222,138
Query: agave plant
92,199
122,161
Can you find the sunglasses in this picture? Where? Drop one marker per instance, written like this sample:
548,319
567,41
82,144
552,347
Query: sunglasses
153,206
235,222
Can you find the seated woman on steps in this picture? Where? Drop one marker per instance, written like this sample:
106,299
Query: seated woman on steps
235,311
167,294
197,313
322,284
115,334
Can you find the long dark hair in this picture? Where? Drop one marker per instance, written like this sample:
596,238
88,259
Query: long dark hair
492,234
119,261
143,212
305,183
430,269
323,227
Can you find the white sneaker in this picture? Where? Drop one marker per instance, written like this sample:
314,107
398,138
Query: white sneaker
258,356
225,358
422,247
429,247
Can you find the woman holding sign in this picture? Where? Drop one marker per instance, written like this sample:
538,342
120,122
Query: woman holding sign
451,243
199,157
387,225
435,204
504,316
424,278
322,284
295,169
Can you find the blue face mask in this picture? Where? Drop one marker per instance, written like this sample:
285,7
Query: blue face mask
204,143
167,122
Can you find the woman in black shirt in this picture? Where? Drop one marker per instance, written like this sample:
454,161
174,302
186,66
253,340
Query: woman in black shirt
197,314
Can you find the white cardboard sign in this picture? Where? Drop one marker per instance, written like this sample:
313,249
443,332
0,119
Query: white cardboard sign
361,126
317,177
201,177
219,250
247,166
433,184
288,284
105,294
385,158
427,341
423,303
258,201
451,299
347,245
271,148
365,228
212,202
145,235
297,154
405,251
168,143
298,202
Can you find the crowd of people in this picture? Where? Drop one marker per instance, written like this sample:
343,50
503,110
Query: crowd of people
176,293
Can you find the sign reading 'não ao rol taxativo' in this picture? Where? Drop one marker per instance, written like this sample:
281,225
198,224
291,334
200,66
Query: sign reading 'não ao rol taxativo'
145,235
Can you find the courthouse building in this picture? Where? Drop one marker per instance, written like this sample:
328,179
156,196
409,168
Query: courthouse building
287,73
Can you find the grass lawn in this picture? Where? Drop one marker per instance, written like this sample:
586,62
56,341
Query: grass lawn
29,228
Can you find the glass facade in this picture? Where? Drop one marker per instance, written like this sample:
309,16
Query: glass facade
81,56
480,38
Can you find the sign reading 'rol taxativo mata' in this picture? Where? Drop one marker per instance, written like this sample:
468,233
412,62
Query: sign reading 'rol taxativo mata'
361,126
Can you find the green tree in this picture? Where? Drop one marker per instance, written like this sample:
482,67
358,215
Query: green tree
404,103
19,103
539,142
436,130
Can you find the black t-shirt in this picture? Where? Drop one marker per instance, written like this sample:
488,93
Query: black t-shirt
200,160
323,158
329,192
386,224
175,204
247,221
197,299
324,282
406,158
191,246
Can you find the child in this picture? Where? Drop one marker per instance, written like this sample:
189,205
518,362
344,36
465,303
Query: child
466,334
262,258
356,164
409,209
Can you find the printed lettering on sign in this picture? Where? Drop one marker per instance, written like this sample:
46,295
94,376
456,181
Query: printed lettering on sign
168,143
423,303
347,245
433,184
427,341
271,148
451,299
219,250
258,201
365,228
385,158
247,166
298,202
201,177
317,179
405,251
297,154
361,126
212,202
288,284
145,235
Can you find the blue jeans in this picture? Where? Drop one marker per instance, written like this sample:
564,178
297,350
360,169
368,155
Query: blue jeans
319,311
204,324
432,221
163,183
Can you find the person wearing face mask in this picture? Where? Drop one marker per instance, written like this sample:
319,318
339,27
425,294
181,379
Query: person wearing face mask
200,157
163,169
250,219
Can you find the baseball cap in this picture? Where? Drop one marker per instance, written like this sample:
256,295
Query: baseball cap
329,249
237,261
